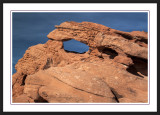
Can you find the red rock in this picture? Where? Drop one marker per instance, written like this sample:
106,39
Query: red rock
22,99
113,70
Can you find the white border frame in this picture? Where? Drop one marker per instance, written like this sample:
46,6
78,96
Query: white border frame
74,107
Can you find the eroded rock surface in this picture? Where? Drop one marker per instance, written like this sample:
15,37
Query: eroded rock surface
114,70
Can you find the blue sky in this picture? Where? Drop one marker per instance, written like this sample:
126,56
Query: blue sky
32,28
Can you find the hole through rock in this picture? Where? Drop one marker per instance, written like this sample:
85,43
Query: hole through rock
75,46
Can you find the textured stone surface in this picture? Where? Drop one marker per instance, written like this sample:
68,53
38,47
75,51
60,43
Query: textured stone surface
54,89
114,70
96,35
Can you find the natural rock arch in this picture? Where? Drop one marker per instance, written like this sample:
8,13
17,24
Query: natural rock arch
47,73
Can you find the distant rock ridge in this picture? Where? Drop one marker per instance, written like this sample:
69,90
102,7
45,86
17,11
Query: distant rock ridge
114,70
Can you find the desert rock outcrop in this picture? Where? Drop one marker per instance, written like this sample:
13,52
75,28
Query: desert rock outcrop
114,70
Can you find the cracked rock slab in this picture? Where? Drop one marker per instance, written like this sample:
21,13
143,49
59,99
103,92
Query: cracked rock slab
53,89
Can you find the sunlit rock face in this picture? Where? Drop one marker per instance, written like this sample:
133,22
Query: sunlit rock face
111,69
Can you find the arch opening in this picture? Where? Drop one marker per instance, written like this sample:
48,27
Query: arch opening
75,46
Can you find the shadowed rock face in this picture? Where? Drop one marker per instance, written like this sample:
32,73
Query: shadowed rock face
114,70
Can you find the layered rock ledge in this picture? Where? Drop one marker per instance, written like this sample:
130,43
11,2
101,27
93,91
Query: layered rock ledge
114,70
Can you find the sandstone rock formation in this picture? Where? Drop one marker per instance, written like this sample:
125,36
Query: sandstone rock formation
114,70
